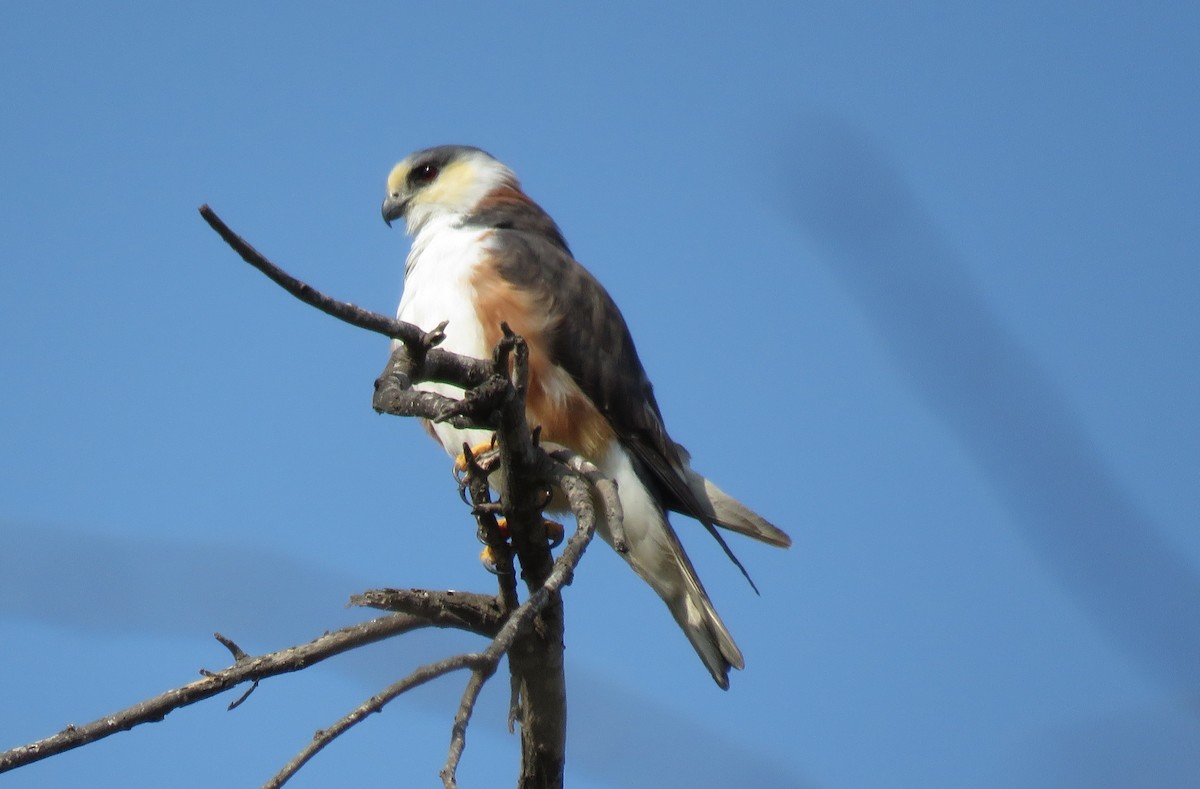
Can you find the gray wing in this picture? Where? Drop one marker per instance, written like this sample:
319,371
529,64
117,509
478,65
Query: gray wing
589,339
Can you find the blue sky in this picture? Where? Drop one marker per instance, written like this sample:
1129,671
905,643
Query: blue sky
919,283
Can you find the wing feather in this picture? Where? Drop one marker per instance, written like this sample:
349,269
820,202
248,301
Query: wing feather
587,336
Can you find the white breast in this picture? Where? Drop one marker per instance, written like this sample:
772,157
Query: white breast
437,287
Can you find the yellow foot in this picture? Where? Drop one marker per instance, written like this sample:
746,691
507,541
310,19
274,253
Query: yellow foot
554,536
460,460
554,530
488,558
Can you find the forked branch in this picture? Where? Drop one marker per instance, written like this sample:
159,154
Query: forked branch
244,669
530,634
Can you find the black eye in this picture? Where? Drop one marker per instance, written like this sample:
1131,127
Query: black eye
423,173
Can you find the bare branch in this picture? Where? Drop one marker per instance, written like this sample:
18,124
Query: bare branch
476,484
478,613
244,669
530,634
614,515
483,664
458,736
438,365
239,654
493,399
374,704
354,315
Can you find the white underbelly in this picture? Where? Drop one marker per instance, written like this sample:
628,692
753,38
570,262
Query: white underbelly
437,287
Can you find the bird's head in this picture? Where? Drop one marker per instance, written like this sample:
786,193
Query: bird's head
446,180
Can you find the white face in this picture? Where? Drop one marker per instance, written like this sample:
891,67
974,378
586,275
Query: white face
453,186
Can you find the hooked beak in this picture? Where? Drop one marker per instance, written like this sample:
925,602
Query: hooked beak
393,207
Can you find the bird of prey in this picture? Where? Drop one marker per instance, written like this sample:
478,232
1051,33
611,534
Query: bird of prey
484,253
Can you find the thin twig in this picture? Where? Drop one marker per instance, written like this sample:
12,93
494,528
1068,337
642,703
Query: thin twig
478,613
439,365
342,310
245,669
462,717
564,568
374,704
494,397
489,529
483,664
614,515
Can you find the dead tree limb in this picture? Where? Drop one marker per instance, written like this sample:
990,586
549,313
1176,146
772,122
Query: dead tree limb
434,364
493,399
244,669
530,634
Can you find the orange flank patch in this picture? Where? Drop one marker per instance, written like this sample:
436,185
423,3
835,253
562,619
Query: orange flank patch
554,401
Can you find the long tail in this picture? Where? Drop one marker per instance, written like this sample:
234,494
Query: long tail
702,625
656,554
724,510
659,558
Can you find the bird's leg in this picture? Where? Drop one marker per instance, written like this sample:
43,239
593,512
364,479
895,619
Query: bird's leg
479,453
473,487
471,469
554,530
487,556
477,463
554,536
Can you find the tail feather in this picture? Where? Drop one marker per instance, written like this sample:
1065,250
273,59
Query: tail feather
703,627
664,564
655,553
726,511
